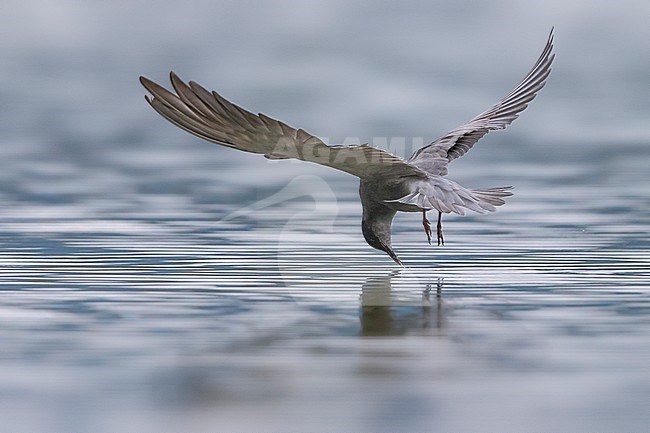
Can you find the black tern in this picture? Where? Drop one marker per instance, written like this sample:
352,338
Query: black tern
388,183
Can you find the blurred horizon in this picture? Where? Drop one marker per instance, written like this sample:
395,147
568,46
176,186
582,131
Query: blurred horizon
412,64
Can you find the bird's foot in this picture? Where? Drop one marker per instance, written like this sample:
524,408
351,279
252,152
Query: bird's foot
427,227
441,240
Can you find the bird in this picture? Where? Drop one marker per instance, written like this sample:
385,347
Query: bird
387,183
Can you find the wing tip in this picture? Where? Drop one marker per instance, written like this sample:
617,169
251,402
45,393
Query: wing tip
549,43
177,83
146,83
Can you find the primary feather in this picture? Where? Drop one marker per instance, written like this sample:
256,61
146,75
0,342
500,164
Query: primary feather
210,116
435,157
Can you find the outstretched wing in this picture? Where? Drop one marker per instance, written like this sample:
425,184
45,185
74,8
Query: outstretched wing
210,116
435,157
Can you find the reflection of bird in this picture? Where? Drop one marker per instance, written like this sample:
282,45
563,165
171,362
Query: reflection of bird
388,183
385,312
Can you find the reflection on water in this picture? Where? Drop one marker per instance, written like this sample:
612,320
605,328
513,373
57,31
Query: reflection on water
385,312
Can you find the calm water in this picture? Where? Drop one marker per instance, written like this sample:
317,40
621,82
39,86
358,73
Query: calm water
153,282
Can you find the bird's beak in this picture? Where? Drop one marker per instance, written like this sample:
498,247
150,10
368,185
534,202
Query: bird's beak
393,256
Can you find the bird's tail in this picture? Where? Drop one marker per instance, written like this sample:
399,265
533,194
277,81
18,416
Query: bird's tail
447,196
493,196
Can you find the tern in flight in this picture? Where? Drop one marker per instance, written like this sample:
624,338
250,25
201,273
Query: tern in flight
388,183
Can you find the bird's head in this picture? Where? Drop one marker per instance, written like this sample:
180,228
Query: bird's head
380,240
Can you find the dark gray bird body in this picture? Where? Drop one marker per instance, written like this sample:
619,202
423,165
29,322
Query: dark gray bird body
389,184
377,217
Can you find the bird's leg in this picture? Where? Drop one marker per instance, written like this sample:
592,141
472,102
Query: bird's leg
440,238
427,226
